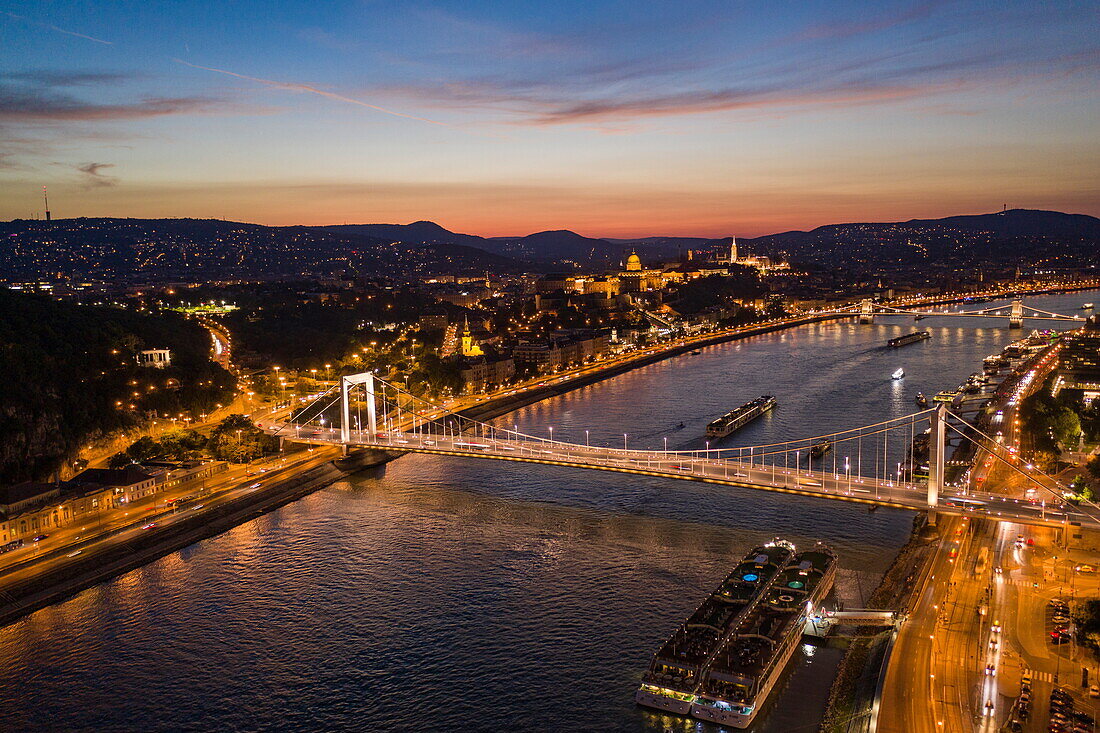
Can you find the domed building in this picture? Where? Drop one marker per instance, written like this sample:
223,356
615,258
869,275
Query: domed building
636,279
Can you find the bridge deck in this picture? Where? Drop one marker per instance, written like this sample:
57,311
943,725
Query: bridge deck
727,472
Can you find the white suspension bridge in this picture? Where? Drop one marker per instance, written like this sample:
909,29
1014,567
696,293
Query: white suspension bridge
1015,312
882,464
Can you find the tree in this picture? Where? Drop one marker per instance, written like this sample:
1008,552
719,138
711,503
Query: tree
1081,490
1093,466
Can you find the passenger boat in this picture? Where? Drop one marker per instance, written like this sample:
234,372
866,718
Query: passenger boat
921,400
898,374
820,449
946,396
735,419
673,676
909,338
737,682
1086,307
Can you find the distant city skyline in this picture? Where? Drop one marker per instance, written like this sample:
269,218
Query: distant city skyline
613,119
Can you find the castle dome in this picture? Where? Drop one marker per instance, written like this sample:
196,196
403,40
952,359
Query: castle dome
633,262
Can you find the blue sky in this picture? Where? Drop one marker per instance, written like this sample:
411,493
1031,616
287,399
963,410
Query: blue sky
610,118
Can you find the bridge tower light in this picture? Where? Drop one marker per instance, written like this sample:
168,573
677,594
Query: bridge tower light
935,459
867,311
1016,316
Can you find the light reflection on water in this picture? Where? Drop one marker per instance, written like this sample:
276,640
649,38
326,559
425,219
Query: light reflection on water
441,594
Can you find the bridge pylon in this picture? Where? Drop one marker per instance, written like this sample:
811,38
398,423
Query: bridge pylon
867,311
346,383
1016,315
936,459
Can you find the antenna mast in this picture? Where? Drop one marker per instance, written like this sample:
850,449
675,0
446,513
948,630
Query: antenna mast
46,201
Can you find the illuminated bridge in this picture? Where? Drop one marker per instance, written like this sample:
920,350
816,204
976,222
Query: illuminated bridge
1015,312
874,464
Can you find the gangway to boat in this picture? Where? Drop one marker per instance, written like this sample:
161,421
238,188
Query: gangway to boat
821,624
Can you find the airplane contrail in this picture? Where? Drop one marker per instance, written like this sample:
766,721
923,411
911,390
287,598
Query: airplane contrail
295,87
59,30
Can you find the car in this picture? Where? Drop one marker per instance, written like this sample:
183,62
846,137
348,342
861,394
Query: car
74,553
998,570
1030,542
150,525
197,507
1094,691
255,485
1025,678
1060,637
39,537
1019,540
1085,568
990,669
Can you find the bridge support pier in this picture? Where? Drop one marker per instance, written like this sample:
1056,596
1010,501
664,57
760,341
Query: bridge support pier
936,459
867,311
356,459
1016,315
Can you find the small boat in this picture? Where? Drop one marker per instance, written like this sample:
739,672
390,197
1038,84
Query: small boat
820,449
921,400
696,353
872,508
680,426
899,374
1086,307
919,317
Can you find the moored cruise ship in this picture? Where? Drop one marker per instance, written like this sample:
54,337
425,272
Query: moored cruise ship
740,676
673,676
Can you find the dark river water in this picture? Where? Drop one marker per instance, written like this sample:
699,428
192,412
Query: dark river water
478,595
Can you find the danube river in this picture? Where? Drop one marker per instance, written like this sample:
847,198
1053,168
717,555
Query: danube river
479,595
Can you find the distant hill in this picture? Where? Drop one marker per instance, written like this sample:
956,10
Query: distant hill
205,248
541,247
667,247
1011,237
558,246
202,248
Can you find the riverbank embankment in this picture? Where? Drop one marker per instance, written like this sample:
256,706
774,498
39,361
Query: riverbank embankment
859,677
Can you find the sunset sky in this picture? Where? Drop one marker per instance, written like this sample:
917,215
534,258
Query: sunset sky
501,118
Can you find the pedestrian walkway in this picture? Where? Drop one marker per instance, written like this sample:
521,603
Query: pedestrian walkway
1037,676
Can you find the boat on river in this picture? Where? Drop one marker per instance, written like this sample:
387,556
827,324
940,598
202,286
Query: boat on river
737,681
674,675
909,338
921,400
898,374
735,419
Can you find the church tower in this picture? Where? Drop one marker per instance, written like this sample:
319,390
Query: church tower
469,348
